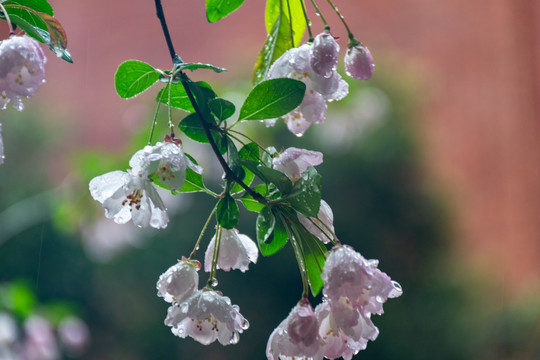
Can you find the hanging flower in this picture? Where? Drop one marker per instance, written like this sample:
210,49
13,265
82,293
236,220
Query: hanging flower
321,226
347,274
179,281
1,147
22,69
166,161
127,196
324,54
295,63
293,162
343,330
236,251
359,62
206,316
297,336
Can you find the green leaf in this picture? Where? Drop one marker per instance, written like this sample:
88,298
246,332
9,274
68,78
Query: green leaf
222,108
36,5
265,224
18,298
272,98
273,11
305,196
268,175
179,98
227,212
314,259
249,152
277,42
191,126
234,160
133,77
195,66
250,203
218,9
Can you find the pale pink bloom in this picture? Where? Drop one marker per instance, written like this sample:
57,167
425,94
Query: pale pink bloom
295,64
1,147
347,274
179,281
22,69
343,330
324,54
359,62
74,335
293,162
127,196
40,342
321,226
206,316
236,251
297,337
166,161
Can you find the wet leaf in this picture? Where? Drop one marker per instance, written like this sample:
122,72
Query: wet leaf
227,212
305,196
133,77
221,108
218,9
195,66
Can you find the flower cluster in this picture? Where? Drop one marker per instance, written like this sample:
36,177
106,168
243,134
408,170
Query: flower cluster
131,195
315,64
354,289
22,69
205,315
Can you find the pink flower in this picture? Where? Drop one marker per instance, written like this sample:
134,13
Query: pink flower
296,64
321,226
347,274
179,281
22,69
293,162
324,54
297,336
236,251
359,62
206,316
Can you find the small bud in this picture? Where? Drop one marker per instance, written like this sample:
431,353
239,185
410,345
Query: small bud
359,62
324,55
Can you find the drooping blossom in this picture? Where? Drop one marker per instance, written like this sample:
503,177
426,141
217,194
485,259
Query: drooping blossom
179,281
349,275
127,196
359,62
22,69
297,337
236,251
295,63
166,161
343,330
206,316
321,226
293,162
324,54
1,147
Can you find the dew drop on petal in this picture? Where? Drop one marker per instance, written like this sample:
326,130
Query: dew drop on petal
235,338
245,324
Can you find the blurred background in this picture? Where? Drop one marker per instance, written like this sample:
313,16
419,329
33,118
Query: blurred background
432,166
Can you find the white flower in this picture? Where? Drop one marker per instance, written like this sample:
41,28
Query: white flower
324,54
321,226
179,281
236,251
297,337
206,316
127,196
359,62
166,161
296,64
22,69
1,147
293,162
343,330
347,274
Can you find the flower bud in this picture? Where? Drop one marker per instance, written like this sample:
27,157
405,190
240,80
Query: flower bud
324,55
359,62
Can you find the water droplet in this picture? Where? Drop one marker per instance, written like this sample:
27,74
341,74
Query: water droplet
184,307
397,286
235,338
245,324
213,282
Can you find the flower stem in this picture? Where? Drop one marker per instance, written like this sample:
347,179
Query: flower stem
351,36
185,83
308,22
6,15
290,22
215,255
154,119
202,232
171,126
326,27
